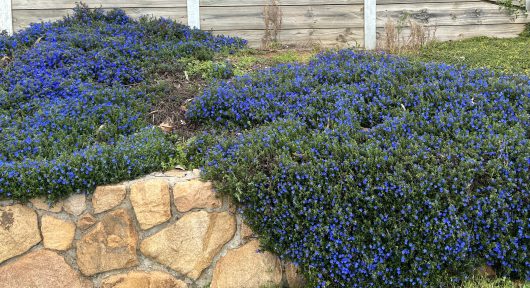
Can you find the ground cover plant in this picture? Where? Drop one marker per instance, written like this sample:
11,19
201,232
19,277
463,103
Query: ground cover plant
508,55
370,170
77,96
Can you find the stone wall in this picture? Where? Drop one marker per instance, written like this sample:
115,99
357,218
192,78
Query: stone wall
164,230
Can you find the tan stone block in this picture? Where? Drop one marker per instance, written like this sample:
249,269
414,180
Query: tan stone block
195,194
43,269
107,197
19,230
42,204
75,204
246,267
57,234
141,279
151,202
109,245
189,245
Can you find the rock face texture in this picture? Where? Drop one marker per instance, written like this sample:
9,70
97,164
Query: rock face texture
150,200
19,231
195,194
41,204
42,269
189,245
85,221
246,267
124,236
57,234
294,279
108,197
143,279
75,204
110,245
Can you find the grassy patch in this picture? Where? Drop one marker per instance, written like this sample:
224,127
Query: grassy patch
503,55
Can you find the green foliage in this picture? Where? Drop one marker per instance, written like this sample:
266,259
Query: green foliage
208,69
501,55
526,32
77,98
368,170
513,7
483,282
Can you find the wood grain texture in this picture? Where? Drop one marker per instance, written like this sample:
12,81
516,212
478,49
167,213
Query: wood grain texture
22,18
324,22
68,4
463,13
239,3
340,38
445,33
351,16
294,17
353,37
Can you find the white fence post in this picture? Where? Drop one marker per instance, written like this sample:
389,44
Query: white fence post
528,5
6,16
194,18
370,13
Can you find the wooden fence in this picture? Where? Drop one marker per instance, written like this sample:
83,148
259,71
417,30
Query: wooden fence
300,22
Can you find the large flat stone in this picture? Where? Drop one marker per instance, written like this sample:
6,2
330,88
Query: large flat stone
109,245
141,279
42,204
189,245
195,194
19,230
151,202
245,267
40,269
57,234
75,204
107,197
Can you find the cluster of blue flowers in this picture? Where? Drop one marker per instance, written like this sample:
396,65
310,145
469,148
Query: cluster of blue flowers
73,100
368,170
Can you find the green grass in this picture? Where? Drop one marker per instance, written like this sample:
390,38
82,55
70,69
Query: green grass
502,55
482,282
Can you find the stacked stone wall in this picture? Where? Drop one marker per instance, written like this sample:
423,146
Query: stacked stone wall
164,230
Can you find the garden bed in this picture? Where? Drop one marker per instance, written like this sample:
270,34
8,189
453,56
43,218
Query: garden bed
78,99
372,170
363,169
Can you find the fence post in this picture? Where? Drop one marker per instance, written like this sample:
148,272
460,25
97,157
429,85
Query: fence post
370,13
6,16
528,5
194,18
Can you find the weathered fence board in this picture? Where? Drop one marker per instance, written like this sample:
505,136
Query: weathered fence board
324,22
444,33
22,18
293,17
345,37
239,3
68,4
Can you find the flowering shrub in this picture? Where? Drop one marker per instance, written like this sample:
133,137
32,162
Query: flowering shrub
368,170
73,99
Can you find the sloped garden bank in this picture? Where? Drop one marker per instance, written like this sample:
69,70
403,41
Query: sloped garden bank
361,169
369,170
